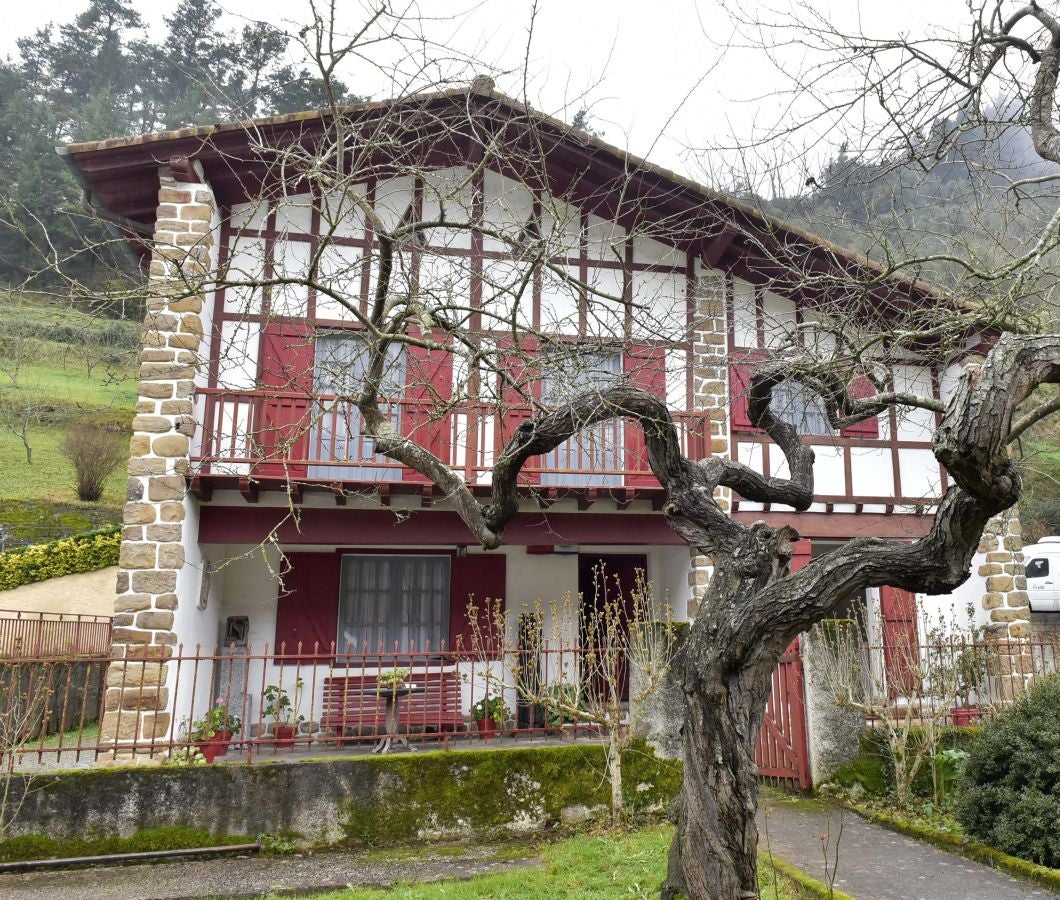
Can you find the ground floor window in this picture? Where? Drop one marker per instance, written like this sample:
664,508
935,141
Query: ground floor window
393,601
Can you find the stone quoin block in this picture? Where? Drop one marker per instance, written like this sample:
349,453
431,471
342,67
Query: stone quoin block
139,513
154,582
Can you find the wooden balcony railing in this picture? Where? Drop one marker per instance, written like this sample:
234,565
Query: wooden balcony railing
275,434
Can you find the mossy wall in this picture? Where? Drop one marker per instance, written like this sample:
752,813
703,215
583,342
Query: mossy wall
359,801
873,768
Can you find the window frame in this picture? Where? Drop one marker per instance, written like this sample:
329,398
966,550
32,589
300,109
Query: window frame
1044,559
372,650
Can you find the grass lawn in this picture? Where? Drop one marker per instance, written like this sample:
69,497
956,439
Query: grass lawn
38,501
602,865
50,476
106,396
68,739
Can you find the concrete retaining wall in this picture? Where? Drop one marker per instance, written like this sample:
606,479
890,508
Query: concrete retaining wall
357,801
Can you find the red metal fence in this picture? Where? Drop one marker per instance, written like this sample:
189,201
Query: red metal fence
37,634
957,680
310,702
243,703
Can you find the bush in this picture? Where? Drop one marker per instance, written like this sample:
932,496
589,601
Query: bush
95,454
68,556
1009,795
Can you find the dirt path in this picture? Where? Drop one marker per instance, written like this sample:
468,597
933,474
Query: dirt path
877,864
253,876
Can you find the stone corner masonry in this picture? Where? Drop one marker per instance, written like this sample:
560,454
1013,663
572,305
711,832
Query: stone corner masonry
153,540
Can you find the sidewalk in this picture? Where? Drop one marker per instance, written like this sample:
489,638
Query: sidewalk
877,864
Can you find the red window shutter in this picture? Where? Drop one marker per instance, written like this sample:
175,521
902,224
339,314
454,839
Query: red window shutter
307,612
901,638
429,384
741,368
802,554
521,378
479,576
285,367
645,367
859,389
288,352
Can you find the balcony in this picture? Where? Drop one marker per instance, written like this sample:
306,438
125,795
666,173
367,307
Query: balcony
270,437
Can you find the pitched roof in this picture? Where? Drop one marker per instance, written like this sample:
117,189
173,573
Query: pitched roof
122,174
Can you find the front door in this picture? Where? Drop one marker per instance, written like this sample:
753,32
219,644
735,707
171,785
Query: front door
603,579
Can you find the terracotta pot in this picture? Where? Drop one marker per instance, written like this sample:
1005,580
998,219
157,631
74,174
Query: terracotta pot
963,716
225,739
284,735
487,728
215,746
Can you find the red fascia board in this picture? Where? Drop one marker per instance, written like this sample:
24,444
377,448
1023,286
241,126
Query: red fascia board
349,527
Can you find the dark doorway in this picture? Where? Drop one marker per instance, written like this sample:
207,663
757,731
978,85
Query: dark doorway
601,576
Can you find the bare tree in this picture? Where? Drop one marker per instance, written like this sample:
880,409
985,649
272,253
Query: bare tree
95,452
21,410
25,702
908,696
424,301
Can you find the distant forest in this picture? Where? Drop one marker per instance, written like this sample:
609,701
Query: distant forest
99,76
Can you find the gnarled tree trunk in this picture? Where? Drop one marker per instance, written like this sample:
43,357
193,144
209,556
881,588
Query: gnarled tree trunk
726,681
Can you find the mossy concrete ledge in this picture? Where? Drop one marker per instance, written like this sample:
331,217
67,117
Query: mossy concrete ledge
360,801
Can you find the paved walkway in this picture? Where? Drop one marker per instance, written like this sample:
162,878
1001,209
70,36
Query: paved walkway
243,876
877,864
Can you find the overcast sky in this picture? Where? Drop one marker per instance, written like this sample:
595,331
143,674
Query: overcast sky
659,76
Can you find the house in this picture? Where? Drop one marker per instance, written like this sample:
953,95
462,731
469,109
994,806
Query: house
259,516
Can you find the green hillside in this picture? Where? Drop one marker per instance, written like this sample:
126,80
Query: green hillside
59,366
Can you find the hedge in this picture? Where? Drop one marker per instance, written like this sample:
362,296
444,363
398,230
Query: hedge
66,556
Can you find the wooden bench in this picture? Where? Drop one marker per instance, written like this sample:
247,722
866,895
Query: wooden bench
350,702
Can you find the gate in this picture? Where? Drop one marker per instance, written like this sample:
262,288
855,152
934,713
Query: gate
781,753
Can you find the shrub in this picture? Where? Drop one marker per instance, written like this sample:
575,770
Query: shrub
1009,795
68,556
95,454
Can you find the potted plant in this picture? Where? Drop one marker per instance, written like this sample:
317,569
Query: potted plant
213,733
392,679
278,706
488,713
971,671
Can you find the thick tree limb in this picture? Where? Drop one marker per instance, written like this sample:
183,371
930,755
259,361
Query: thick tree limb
972,443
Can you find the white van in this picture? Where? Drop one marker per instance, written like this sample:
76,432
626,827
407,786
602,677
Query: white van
1042,561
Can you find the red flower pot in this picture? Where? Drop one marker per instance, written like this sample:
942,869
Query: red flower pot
284,735
487,728
215,746
963,716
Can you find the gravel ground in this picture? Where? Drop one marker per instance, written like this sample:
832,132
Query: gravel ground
251,876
